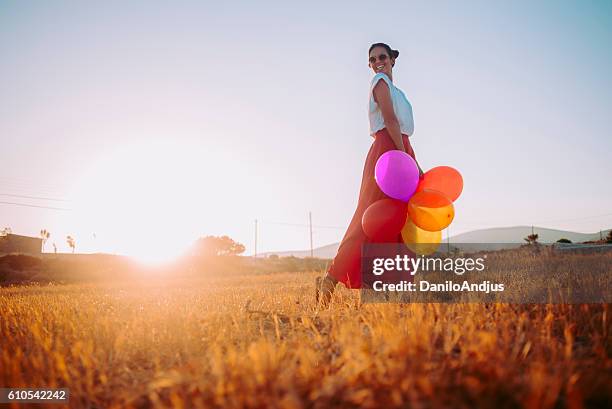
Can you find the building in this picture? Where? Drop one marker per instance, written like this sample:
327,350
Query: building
14,243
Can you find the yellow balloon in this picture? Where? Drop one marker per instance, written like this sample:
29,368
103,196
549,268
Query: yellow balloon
421,242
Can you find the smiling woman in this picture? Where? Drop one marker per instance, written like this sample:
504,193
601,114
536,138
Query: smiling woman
145,200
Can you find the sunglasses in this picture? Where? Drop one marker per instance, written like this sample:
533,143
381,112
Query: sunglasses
382,58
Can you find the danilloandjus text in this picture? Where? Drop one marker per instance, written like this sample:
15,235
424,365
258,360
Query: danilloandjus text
448,286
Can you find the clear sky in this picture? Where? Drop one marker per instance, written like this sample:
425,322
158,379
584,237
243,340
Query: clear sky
158,122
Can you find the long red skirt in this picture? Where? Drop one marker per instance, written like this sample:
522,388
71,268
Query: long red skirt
346,266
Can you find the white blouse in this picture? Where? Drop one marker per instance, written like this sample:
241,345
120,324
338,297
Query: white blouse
401,107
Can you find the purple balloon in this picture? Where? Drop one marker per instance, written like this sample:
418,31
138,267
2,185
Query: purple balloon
397,175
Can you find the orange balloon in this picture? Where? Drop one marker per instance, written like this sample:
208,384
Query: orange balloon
431,210
421,242
443,179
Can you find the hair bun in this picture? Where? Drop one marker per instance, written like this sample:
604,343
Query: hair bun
395,53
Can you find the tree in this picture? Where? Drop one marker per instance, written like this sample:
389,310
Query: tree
71,243
212,246
6,231
44,234
609,237
532,239
564,240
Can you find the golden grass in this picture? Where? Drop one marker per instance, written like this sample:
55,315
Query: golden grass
192,343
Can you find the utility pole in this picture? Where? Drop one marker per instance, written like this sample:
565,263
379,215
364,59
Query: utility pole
255,238
310,225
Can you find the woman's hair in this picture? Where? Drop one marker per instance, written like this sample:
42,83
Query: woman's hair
392,53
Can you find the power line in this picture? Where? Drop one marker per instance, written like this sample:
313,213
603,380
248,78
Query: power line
304,225
33,197
31,205
471,222
30,186
310,225
329,227
255,238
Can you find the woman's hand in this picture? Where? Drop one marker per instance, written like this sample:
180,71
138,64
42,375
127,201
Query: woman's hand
420,171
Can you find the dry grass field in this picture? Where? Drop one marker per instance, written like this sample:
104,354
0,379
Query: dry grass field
257,340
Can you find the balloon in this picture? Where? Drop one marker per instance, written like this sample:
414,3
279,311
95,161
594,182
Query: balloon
431,210
443,179
421,242
383,220
397,174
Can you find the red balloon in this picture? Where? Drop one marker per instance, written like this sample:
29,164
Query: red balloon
383,220
443,179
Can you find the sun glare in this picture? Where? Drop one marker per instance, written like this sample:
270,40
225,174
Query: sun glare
142,200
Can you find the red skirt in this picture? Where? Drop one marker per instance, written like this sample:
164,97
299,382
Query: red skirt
346,266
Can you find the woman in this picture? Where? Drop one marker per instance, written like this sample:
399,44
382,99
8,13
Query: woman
391,124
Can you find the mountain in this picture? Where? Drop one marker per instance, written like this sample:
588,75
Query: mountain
516,234
328,251
507,235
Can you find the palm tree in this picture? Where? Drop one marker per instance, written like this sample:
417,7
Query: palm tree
532,239
44,234
71,243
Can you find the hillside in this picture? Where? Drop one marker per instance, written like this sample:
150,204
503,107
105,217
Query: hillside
514,234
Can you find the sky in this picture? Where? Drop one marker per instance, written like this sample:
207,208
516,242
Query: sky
151,124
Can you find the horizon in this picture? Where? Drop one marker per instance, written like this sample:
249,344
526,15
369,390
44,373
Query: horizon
514,96
153,261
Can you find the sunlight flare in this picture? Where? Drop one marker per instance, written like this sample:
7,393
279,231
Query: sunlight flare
146,200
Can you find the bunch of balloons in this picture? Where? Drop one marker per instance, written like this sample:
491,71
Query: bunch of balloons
417,208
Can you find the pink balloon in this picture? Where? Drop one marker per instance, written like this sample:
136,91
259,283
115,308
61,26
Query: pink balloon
397,175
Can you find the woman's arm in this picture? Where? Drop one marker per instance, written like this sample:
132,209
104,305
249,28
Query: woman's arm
382,96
